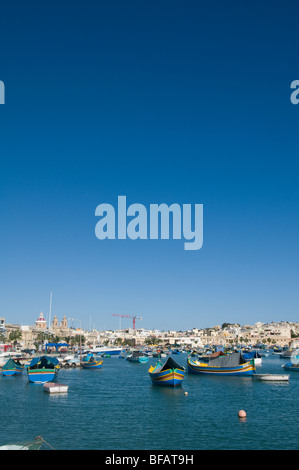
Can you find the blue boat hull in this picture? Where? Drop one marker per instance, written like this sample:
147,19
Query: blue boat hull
41,376
12,367
111,352
10,373
289,366
168,378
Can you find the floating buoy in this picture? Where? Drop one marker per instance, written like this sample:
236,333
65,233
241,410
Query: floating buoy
242,414
186,393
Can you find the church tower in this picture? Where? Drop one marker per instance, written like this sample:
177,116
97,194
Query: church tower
41,323
55,322
64,322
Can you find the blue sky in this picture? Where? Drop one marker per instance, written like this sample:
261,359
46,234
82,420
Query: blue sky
161,102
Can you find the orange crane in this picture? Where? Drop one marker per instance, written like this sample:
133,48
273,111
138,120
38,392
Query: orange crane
127,316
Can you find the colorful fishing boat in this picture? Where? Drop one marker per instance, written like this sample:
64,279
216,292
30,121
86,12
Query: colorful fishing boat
12,367
92,363
169,374
137,356
227,365
43,369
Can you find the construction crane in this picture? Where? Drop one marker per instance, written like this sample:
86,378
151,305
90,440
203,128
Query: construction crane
126,316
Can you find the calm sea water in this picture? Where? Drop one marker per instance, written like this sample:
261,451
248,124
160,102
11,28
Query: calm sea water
118,408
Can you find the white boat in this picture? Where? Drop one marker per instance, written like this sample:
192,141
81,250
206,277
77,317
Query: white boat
272,377
106,350
52,387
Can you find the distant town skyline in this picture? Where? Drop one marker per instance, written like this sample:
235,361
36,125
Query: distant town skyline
187,106
76,323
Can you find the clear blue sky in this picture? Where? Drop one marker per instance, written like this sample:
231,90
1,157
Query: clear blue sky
185,102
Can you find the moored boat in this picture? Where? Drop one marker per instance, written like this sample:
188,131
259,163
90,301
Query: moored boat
12,367
43,369
277,351
92,363
227,365
292,354
168,374
291,366
272,377
55,388
106,350
137,356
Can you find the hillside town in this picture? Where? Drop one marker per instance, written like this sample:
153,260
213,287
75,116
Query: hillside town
33,337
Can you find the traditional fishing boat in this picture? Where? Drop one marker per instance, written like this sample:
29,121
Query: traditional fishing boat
170,373
92,363
277,351
292,354
210,355
228,365
291,366
137,356
43,369
12,367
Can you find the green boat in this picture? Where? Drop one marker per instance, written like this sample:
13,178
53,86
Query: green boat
12,367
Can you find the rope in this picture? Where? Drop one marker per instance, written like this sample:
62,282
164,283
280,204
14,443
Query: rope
45,442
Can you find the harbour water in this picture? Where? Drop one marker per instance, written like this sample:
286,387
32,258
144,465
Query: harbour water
118,408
